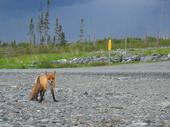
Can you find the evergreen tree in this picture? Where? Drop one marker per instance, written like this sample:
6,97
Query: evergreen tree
59,34
48,5
31,32
43,24
46,26
54,40
34,39
81,30
63,42
56,36
13,43
49,39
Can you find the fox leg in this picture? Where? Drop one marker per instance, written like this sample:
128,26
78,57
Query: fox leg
42,92
36,96
38,91
52,92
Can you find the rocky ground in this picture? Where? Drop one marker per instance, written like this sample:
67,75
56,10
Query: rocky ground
116,56
119,96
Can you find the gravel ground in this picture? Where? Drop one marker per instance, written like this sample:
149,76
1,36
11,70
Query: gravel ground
119,96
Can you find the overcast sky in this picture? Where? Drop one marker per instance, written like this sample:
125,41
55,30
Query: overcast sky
103,18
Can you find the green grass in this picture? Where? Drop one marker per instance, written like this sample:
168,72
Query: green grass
44,60
161,51
23,55
25,61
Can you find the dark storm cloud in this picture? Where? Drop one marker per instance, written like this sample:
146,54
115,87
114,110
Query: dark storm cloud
31,5
69,2
102,17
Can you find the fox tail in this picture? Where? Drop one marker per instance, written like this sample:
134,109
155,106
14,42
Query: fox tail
34,93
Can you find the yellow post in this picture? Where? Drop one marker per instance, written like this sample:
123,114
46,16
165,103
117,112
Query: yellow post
109,45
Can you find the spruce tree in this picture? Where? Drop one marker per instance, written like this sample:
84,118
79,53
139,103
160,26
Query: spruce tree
59,34
31,32
81,30
63,38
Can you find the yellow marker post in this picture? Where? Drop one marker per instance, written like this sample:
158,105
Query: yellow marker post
109,47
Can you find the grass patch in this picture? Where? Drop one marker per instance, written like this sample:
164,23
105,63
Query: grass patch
45,60
151,51
98,64
50,65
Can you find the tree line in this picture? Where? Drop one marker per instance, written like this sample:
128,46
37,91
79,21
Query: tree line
39,32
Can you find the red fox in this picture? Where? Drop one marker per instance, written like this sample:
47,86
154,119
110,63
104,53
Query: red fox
41,84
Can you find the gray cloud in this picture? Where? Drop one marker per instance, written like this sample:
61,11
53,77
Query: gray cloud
69,2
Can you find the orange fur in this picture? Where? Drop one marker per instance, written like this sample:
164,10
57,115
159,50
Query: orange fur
34,92
41,84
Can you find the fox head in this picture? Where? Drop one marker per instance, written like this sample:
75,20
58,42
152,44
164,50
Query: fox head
51,76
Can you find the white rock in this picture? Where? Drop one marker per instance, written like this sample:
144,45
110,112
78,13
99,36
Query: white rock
44,121
139,124
165,104
168,55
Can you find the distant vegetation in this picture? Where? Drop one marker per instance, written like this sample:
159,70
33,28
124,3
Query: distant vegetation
17,49
22,55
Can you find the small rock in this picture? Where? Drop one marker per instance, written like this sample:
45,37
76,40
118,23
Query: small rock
30,120
166,97
57,111
117,107
85,93
115,60
44,121
139,124
165,104
163,58
166,123
169,56
38,111
136,58
146,58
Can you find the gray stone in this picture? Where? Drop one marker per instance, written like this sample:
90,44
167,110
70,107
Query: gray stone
168,56
165,104
163,58
44,121
146,58
116,60
62,61
136,58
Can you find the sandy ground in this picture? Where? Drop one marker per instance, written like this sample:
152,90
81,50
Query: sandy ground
115,96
